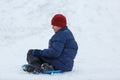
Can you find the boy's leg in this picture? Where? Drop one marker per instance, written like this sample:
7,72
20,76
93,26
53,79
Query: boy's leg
38,62
34,60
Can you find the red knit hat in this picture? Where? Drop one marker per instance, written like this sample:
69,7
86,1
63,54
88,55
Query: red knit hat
59,20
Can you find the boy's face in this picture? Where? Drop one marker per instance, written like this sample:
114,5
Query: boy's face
56,28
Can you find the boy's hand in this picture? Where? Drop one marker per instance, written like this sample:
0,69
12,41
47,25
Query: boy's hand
35,52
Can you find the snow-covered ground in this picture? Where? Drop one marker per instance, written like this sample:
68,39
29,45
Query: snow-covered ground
25,24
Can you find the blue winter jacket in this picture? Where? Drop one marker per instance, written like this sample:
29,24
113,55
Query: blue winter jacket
62,50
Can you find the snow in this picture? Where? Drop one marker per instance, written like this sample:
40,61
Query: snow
25,24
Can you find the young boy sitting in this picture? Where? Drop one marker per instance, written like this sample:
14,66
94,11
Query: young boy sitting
61,52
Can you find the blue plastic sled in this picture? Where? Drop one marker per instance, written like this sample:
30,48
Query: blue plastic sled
53,71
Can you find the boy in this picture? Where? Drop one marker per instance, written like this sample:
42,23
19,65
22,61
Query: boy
61,52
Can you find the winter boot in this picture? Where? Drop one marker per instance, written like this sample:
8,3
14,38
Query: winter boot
46,67
28,68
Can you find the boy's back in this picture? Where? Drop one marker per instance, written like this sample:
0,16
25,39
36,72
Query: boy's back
62,50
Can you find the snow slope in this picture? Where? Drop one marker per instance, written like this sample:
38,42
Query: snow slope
25,24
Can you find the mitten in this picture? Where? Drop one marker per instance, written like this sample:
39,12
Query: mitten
36,52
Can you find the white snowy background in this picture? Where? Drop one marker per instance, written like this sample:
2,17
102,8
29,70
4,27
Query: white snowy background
25,24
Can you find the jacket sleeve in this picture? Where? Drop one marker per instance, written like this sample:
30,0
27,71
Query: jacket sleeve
56,48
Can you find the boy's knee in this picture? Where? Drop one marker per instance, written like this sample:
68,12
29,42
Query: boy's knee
29,52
